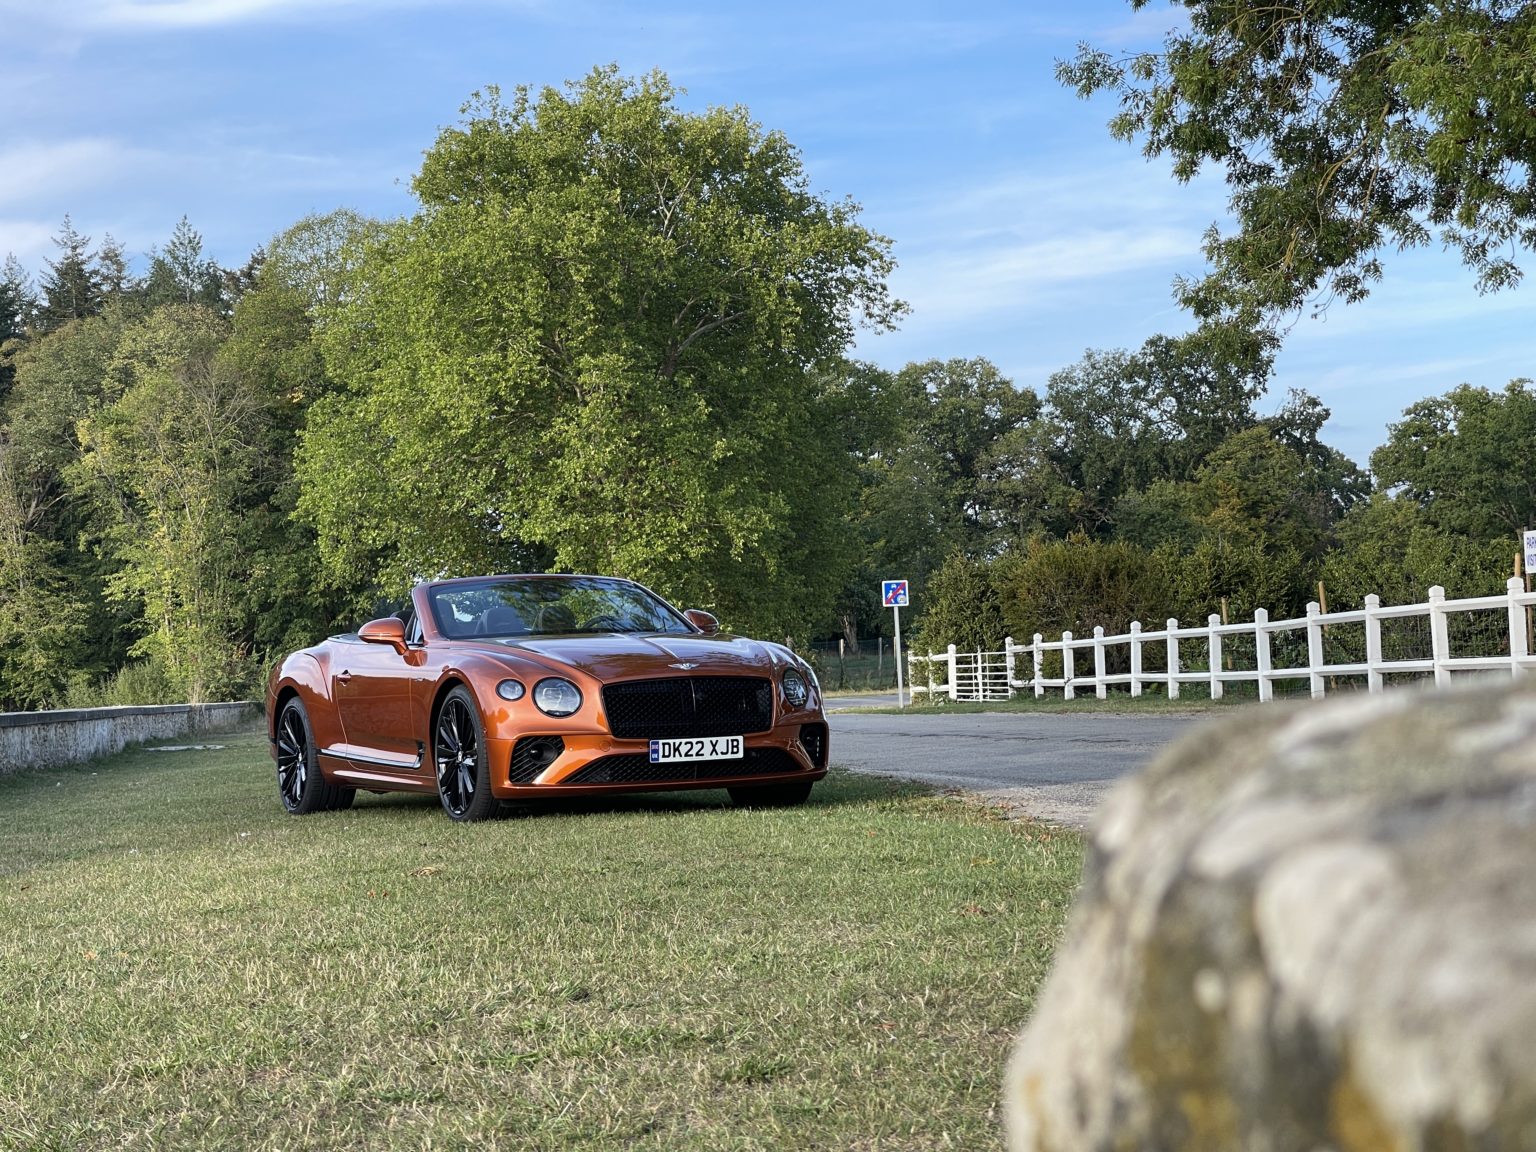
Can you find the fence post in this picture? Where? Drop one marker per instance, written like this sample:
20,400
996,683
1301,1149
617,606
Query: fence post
1261,652
929,662
1374,679
1067,668
1439,635
1173,660
1008,663
1518,646
954,674
1039,665
1213,653
1135,657
1100,689
1314,649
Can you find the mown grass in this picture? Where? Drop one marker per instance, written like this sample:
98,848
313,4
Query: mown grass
184,966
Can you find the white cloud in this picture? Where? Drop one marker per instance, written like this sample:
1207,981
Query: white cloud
34,171
151,14
30,241
1013,275
1144,29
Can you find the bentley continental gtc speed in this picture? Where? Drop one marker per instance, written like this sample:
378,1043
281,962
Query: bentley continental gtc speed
519,688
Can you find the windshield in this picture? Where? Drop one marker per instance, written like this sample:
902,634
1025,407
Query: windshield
550,606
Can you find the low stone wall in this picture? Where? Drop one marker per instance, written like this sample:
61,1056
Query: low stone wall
74,735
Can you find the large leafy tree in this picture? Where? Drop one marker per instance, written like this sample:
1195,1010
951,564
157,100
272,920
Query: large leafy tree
1464,459
1118,422
1343,127
168,459
53,624
601,341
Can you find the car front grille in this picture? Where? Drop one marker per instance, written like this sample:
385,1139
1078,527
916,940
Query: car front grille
684,706
636,768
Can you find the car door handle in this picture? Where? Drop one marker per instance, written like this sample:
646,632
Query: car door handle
345,677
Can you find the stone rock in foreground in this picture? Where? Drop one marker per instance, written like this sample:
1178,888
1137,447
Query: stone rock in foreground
1303,929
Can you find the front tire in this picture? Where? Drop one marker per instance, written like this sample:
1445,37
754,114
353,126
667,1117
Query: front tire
772,795
458,754
301,786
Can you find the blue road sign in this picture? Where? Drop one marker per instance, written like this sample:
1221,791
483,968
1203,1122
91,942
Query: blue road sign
893,593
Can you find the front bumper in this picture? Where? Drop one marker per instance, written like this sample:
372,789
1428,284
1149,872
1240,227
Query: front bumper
592,763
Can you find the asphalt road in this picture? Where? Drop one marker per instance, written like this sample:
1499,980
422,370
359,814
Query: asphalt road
1053,767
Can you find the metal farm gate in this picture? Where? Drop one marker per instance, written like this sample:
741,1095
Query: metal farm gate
981,676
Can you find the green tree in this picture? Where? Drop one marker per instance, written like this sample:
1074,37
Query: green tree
602,338
321,255
1464,459
1390,547
963,607
960,410
1343,128
181,274
18,302
288,600
54,626
1080,583
1117,422
72,286
168,460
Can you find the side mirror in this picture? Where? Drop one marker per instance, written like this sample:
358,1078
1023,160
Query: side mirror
702,620
390,630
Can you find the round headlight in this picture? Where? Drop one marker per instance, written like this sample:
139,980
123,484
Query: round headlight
795,690
510,690
556,697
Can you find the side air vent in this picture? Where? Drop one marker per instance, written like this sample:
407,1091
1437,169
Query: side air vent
532,754
813,738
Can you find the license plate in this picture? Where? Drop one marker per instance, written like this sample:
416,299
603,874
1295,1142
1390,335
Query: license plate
706,748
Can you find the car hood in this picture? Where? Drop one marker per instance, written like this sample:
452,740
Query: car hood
624,656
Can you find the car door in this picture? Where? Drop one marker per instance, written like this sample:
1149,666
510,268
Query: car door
374,688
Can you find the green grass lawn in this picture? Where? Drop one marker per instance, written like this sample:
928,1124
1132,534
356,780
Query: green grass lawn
184,966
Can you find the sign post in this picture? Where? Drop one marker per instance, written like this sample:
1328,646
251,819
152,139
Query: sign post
893,594
1528,540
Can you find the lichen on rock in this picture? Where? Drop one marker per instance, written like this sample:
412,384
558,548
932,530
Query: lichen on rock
1303,928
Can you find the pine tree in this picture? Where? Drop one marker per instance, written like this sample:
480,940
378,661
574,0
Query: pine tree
72,287
182,275
17,304
111,268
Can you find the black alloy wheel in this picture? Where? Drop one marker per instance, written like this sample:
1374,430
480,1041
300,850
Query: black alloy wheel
458,752
300,784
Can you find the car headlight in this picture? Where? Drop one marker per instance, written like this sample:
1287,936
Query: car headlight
795,690
556,697
511,690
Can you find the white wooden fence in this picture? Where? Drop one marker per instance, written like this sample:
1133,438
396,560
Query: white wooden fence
1370,647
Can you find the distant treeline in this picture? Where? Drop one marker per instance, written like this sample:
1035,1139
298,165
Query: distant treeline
613,337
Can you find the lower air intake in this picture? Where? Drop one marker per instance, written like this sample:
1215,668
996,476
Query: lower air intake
636,768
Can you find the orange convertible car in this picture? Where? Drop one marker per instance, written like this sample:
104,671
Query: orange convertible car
520,687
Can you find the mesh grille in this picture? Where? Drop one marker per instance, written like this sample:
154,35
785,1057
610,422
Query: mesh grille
813,738
682,706
637,768
532,754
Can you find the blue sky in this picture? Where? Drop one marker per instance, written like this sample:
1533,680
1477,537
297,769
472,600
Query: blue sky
1023,232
